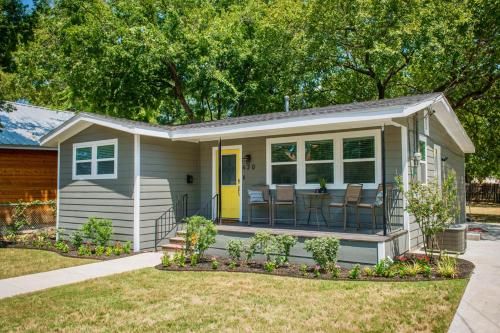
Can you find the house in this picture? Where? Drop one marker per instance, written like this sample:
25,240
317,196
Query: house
145,177
28,171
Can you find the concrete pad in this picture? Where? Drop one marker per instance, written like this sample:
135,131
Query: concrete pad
479,309
474,236
39,281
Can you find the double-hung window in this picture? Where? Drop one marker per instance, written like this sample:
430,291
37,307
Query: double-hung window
284,163
319,161
95,160
359,160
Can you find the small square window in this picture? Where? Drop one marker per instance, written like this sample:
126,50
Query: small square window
95,160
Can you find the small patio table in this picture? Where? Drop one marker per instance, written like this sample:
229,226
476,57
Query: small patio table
313,201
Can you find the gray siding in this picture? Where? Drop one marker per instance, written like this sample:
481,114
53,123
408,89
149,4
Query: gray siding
456,162
256,175
105,198
164,168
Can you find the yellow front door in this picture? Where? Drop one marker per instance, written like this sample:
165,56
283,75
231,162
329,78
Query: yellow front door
230,182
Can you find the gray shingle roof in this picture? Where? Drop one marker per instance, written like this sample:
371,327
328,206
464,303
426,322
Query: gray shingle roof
27,124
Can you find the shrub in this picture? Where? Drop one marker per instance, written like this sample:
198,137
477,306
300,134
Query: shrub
215,263
127,248
447,266
118,248
194,259
286,243
269,266
166,261
85,250
303,269
232,265
99,250
180,259
200,234
323,250
98,230
382,267
368,271
76,239
62,246
355,272
317,271
234,249
109,251
426,271
334,270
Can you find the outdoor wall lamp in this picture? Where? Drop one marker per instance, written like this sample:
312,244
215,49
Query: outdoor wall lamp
248,159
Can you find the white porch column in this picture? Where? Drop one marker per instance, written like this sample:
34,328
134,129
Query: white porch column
58,196
137,192
405,179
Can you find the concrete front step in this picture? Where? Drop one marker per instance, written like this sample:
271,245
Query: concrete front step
172,248
177,240
181,233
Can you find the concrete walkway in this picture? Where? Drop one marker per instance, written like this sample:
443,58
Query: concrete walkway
59,277
479,310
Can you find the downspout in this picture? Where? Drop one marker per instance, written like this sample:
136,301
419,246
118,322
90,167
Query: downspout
384,201
219,183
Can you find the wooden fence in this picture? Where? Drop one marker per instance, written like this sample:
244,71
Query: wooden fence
483,193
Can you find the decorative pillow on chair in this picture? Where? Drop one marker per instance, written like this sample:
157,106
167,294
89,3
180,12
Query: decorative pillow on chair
256,196
379,199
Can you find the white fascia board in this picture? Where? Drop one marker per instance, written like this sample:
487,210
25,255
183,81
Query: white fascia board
79,123
272,126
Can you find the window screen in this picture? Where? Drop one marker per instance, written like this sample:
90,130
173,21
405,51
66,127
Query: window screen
359,160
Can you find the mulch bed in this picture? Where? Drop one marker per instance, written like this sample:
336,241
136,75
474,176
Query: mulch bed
70,254
464,269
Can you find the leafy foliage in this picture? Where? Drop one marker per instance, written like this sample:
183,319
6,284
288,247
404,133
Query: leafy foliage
275,248
323,250
200,234
98,230
235,248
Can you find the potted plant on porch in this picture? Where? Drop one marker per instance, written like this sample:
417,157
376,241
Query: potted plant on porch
322,186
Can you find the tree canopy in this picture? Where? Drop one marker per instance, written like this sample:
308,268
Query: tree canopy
187,61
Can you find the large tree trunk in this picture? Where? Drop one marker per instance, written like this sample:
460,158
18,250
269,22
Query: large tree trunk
178,91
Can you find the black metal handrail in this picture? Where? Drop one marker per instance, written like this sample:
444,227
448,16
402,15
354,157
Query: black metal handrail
170,219
395,212
210,208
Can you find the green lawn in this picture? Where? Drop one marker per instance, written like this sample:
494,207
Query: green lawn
16,262
155,301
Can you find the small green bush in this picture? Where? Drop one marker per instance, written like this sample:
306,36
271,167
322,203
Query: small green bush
303,269
323,250
166,261
118,249
269,266
180,259
355,272
215,263
382,267
194,259
85,250
232,265
109,251
275,248
368,271
334,270
200,234
98,230
235,248
286,242
447,266
99,250
62,246
127,247
76,239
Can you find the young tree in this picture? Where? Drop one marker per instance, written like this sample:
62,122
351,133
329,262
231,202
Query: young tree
434,207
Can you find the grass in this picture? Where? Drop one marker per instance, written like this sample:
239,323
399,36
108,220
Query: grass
484,213
16,262
154,301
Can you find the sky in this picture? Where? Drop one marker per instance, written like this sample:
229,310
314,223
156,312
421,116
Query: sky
28,2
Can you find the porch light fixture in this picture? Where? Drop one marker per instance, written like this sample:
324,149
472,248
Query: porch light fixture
247,159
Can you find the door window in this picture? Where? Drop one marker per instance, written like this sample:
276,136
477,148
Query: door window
228,170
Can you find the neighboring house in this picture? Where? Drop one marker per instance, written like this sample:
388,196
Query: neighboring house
28,171
133,172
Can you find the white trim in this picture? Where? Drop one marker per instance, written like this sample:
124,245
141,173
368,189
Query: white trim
423,138
58,196
426,121
381,250
137,192
337,158
405,179
93,145
214,179
438,165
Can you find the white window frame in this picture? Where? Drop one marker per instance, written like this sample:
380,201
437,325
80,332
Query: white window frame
367,159
426,122
296,162
332,161
337,158
93,161
423,138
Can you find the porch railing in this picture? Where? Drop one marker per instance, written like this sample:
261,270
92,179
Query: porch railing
170,219
209,209
395,211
